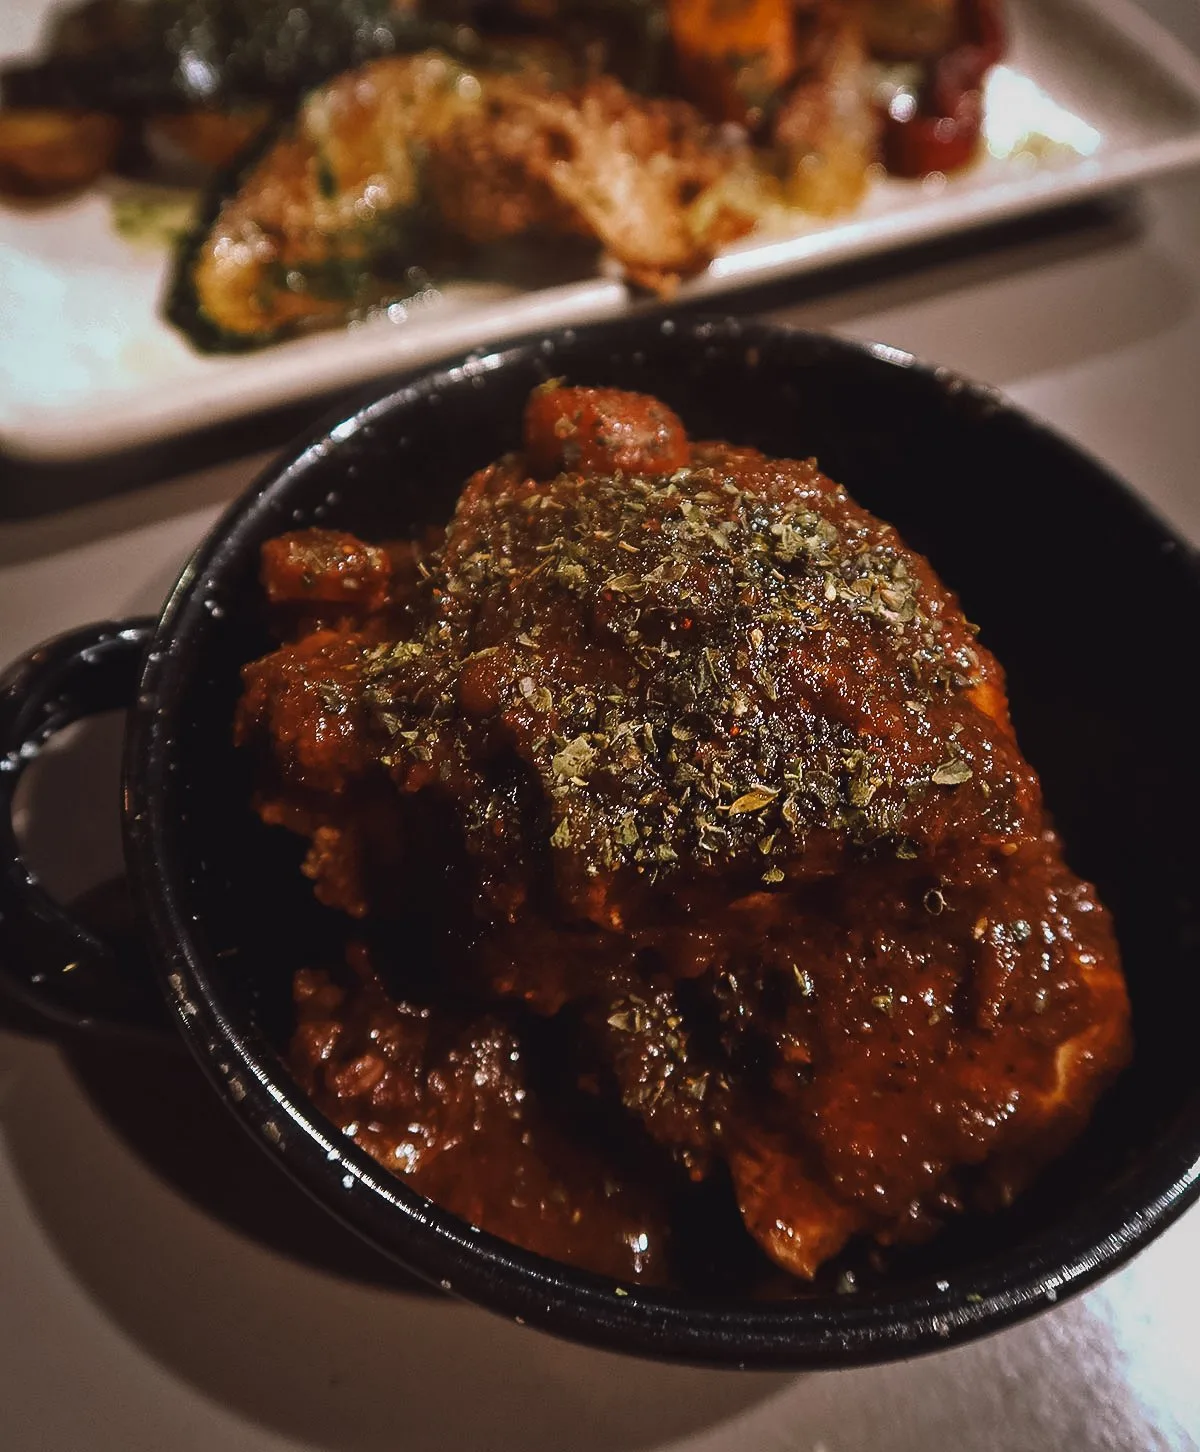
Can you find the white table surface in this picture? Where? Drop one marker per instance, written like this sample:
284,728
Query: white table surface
132,1320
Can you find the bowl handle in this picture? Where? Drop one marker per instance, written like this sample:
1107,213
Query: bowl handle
48,961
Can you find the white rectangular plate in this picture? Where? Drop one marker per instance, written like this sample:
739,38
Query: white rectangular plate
1093,96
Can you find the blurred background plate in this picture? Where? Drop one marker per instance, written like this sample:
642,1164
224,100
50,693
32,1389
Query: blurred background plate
1093,96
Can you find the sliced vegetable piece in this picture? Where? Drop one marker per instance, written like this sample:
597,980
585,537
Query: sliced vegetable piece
46,153
325,223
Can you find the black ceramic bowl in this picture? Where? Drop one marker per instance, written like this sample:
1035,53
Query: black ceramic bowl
1083,594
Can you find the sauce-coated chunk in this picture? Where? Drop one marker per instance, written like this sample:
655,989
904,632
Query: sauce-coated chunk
325,566
601,431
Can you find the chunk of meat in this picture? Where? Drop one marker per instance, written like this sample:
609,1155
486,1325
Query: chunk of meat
972,1024
662,1081
790,1213
446,1106
696,661
601,430
325,566
305,703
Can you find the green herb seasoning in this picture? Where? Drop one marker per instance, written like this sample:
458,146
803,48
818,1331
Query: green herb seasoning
730,661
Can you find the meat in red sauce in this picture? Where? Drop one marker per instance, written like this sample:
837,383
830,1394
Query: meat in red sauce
716,793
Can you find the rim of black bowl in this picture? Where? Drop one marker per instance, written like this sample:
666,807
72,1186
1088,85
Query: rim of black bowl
845,1330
